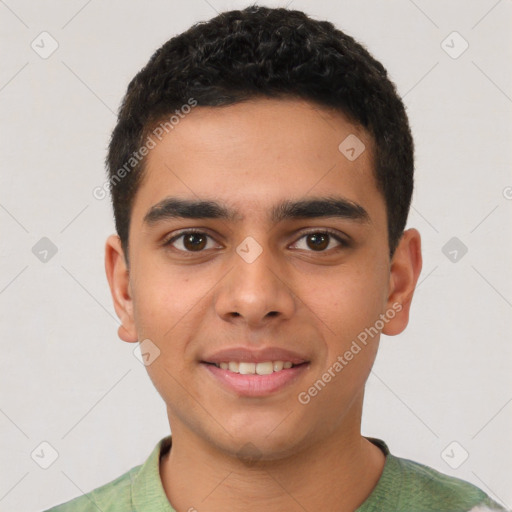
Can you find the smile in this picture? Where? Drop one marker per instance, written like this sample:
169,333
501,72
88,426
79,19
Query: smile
248,379
249,368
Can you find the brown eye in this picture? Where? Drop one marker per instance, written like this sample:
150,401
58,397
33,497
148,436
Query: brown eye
194,241
190,241
318,241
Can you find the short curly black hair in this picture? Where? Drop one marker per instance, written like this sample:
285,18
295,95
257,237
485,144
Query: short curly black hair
264,52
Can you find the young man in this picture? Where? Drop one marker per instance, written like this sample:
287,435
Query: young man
261,173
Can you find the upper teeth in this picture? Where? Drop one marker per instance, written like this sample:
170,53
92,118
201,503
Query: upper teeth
265,368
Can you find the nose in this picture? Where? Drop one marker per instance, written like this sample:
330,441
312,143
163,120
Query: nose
255,291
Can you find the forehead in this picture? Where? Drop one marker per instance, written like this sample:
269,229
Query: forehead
254,155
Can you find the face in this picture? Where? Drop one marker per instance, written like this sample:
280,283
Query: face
252,282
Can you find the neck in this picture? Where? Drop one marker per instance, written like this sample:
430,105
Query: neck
337,473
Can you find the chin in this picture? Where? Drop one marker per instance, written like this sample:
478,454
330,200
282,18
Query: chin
254,444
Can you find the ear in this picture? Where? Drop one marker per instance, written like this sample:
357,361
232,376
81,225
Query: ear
118,276
405,270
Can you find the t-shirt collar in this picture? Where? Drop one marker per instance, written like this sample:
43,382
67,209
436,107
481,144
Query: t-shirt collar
148,494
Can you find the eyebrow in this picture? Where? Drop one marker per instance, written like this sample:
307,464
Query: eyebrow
311,208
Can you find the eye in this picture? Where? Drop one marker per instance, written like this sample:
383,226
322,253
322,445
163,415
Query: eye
190,241
320,240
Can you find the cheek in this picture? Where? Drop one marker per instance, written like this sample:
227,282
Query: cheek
169,305
350,304
162,301
349,300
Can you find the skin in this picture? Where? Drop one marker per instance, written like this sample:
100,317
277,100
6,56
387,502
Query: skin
250,156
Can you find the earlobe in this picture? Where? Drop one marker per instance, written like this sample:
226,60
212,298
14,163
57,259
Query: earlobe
405,270
119,282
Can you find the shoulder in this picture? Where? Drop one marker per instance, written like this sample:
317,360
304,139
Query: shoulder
110,497
408,486
425,488
139,485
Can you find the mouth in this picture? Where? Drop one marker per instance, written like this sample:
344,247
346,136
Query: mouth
255,379
252,368
248,372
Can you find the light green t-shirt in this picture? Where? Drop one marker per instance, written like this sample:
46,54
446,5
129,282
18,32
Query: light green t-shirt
404,486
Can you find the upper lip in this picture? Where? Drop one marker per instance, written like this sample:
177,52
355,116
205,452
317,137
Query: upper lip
251,355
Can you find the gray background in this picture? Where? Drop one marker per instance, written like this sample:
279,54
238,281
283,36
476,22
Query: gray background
66,378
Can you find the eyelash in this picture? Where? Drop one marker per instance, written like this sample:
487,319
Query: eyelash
326,231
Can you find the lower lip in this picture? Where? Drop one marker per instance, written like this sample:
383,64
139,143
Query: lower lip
256,385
